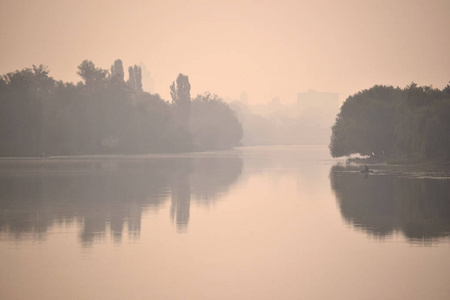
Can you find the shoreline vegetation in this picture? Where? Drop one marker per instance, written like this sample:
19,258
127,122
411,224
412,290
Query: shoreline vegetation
401,161
391,125
104,114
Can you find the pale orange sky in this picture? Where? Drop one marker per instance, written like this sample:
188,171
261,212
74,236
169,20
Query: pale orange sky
266,48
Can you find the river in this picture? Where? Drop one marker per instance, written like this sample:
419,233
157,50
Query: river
251,223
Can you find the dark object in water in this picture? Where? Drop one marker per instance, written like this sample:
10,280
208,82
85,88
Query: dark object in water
366,170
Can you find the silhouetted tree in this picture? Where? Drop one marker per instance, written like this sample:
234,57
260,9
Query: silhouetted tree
180,91
366,123
92,76
422,123
117,73
24,99
101,115
214,125
135,78
385,121
138,78
131,79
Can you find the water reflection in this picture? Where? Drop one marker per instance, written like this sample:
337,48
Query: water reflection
181,197
106,196
382,204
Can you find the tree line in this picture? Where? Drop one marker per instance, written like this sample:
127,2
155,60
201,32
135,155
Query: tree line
104,114
387,123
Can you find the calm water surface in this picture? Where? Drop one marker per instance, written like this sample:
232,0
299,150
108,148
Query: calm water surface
252,223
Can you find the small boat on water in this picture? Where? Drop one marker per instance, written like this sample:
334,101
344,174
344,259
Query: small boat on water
366,170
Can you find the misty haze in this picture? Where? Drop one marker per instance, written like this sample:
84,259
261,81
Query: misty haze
224,149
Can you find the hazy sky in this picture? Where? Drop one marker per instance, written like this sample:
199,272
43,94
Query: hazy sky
266,48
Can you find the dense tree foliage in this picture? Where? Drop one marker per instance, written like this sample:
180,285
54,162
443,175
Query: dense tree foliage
383,122
213,124
103,114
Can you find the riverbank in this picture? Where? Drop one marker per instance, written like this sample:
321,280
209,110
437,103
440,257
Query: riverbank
411,160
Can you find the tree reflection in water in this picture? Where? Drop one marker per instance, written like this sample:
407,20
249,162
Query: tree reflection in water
105,195
383,204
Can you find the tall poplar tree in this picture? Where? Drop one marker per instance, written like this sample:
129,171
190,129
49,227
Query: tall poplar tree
180,91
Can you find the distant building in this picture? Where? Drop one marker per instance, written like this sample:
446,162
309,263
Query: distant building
322,107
